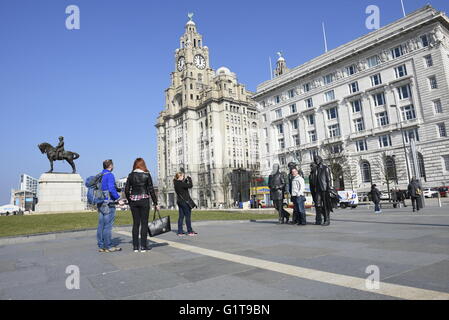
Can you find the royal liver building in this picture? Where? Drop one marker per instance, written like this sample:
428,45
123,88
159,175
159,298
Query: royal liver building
376,109
209,128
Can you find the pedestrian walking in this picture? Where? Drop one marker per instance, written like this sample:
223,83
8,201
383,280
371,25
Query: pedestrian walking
375,198
185,203
138,191
107,209
297,191
415,192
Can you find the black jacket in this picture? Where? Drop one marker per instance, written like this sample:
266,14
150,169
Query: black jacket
182,191
375,195
140,183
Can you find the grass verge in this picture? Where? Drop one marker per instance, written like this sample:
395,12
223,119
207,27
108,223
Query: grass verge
37,224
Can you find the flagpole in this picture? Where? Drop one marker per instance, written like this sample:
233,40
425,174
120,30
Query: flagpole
271,69
325,38
403,8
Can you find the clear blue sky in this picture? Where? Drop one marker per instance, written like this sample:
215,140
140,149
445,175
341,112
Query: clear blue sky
102,87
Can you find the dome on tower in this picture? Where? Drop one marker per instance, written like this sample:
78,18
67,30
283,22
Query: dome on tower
223,71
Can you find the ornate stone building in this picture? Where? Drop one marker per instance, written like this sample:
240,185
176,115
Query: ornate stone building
370,102
209,127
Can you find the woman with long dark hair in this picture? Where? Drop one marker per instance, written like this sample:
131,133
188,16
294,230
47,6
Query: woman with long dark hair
139,188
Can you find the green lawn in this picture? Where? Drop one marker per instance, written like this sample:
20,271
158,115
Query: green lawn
36,224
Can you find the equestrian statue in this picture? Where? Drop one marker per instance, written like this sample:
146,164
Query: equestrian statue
58,154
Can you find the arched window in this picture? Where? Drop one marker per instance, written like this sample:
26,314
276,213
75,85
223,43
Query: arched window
390,167
422,168
365,168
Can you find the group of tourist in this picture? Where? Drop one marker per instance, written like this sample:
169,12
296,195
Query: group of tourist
138,192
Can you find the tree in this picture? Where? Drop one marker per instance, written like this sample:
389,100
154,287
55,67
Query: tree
387,170
335,157
225,184
350,172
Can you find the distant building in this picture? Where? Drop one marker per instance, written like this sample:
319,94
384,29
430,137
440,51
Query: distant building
24,199
28,183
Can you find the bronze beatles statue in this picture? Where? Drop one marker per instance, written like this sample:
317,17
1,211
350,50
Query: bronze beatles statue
322,191
58,154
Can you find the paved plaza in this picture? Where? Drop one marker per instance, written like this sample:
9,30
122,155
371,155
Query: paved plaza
244,260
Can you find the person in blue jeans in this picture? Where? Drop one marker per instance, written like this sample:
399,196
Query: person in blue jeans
185,203
106,210
298,188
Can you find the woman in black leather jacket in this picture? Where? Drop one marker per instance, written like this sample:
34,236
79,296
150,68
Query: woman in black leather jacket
138,190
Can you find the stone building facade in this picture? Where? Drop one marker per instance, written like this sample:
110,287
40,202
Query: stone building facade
369,102
209,127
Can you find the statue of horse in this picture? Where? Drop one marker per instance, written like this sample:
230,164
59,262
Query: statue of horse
51,155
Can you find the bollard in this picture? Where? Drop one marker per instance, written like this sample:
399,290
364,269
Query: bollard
439,200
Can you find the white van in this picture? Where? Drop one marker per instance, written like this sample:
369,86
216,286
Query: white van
348,198
9,210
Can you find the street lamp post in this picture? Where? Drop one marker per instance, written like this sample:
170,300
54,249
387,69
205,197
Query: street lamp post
403,139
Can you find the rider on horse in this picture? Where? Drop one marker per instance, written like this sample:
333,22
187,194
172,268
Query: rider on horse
60,149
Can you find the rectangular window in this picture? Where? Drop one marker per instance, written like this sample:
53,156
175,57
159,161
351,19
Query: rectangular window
295,124
397,52
306,87
296,140
293,108
400,71
281,144
264,118
428,60
382,119
425,40
373,61
328,78
332,113
280,128
354,87
411,134
282,161
359,125
433,82
404,92
446,162
329,96
437,106
376,80
278,114
312,136
351,70
356,106
311,119
379,99
385,141
408,112
361,145
277,99
309,103
291,94
334,131
314,153
267,146
266,132
442,130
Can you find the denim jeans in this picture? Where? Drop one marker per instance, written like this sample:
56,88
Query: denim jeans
184,211
376,207
105,223
300,208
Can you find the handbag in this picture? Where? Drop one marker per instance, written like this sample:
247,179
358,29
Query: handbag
159,226
191,204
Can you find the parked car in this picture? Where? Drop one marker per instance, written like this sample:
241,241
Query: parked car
384,195
444,191
430,193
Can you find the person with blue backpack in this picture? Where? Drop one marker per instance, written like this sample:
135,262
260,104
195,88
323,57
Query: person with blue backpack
106,209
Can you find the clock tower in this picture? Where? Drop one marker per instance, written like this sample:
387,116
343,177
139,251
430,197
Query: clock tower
208,127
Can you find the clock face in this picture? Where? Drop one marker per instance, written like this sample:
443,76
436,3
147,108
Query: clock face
181,63
200,62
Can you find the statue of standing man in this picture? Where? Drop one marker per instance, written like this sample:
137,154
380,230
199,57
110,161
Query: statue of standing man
276,182
320,187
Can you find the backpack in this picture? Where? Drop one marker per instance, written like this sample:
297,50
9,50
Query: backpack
95,193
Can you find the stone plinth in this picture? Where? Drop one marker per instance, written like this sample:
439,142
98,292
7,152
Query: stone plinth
60,192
